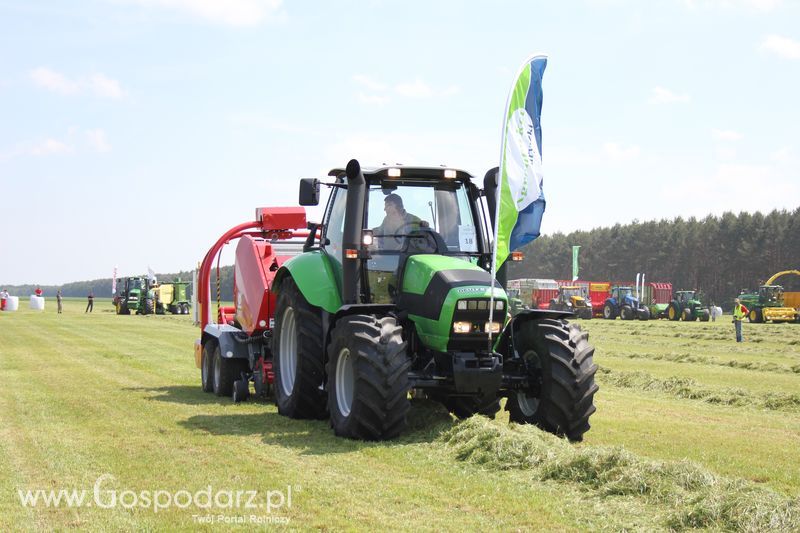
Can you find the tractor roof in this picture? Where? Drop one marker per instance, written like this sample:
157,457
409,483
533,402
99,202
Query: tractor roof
414,172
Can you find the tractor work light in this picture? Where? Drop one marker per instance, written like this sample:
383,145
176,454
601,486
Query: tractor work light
498,305
449,173
462,327
491,327
394,172
462,305
367,238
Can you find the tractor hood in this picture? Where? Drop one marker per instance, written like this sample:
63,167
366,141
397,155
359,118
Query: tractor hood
438,291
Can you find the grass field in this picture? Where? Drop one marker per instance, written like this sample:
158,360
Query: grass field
692,430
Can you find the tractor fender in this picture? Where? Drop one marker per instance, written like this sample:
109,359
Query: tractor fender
315,278
224,335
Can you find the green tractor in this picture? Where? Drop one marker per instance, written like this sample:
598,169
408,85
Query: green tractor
135,294
686,306
173,297
768,305
379,306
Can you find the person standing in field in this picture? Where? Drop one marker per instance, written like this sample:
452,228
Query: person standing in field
58,300
90,304
38,292
739,312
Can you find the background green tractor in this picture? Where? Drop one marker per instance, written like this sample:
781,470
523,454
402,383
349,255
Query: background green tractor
685,305
767,305
135,294
377,306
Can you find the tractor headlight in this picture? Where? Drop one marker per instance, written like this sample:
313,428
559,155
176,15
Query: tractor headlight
491,327
462,327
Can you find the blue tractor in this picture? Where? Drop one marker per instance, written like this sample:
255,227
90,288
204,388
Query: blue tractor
624,304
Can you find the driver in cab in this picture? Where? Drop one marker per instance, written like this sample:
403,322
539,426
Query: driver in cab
397,223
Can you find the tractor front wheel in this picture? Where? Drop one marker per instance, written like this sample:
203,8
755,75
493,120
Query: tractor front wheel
626,313
609,312
756,315
643,313
368,378
297,355
560,394
704,315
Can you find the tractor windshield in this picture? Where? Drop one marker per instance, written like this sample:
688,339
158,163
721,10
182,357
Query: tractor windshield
625,291
772,294
442,210
569,292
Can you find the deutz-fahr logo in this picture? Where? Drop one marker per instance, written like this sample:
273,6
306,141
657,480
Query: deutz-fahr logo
471,289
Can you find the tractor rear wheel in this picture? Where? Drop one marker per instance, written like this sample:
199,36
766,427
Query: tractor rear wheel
207,367
368,378
465,407
626,313
609,312
643,314
297,355
560,394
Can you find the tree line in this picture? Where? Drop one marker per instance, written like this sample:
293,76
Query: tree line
718,256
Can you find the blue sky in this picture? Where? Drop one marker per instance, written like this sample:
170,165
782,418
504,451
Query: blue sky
135,132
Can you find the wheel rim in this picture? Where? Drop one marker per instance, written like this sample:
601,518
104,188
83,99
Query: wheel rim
345,381
528,405
288,351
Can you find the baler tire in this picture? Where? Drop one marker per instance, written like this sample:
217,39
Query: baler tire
241,390
305,398
226,371
367,355
207,367
465,407
561,359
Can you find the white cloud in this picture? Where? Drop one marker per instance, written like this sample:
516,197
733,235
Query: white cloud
49,147
98,84
53,81
227,12
726,135
617,152
98,140
782,155
665,96
372,99
414,89
105,87
781,46
369,82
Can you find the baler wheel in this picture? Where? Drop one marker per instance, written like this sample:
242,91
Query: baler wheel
560,365
207,367
241,390
297,355
368,378
225,372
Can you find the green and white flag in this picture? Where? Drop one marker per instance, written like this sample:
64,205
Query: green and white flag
575,262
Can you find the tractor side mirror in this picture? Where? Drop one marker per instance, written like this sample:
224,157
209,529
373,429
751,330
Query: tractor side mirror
309,191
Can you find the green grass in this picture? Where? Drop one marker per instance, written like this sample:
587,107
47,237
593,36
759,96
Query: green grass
82,395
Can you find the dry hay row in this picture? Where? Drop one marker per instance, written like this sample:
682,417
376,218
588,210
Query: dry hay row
692,496
687,388
761,366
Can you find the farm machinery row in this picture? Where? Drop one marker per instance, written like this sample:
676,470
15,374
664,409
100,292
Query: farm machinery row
770,303
344,319
144,296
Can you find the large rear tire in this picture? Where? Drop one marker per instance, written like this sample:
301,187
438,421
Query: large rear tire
673,313
368,378
626,313
297,355
559,359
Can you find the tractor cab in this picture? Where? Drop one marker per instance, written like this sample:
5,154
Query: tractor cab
770,295
684,297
